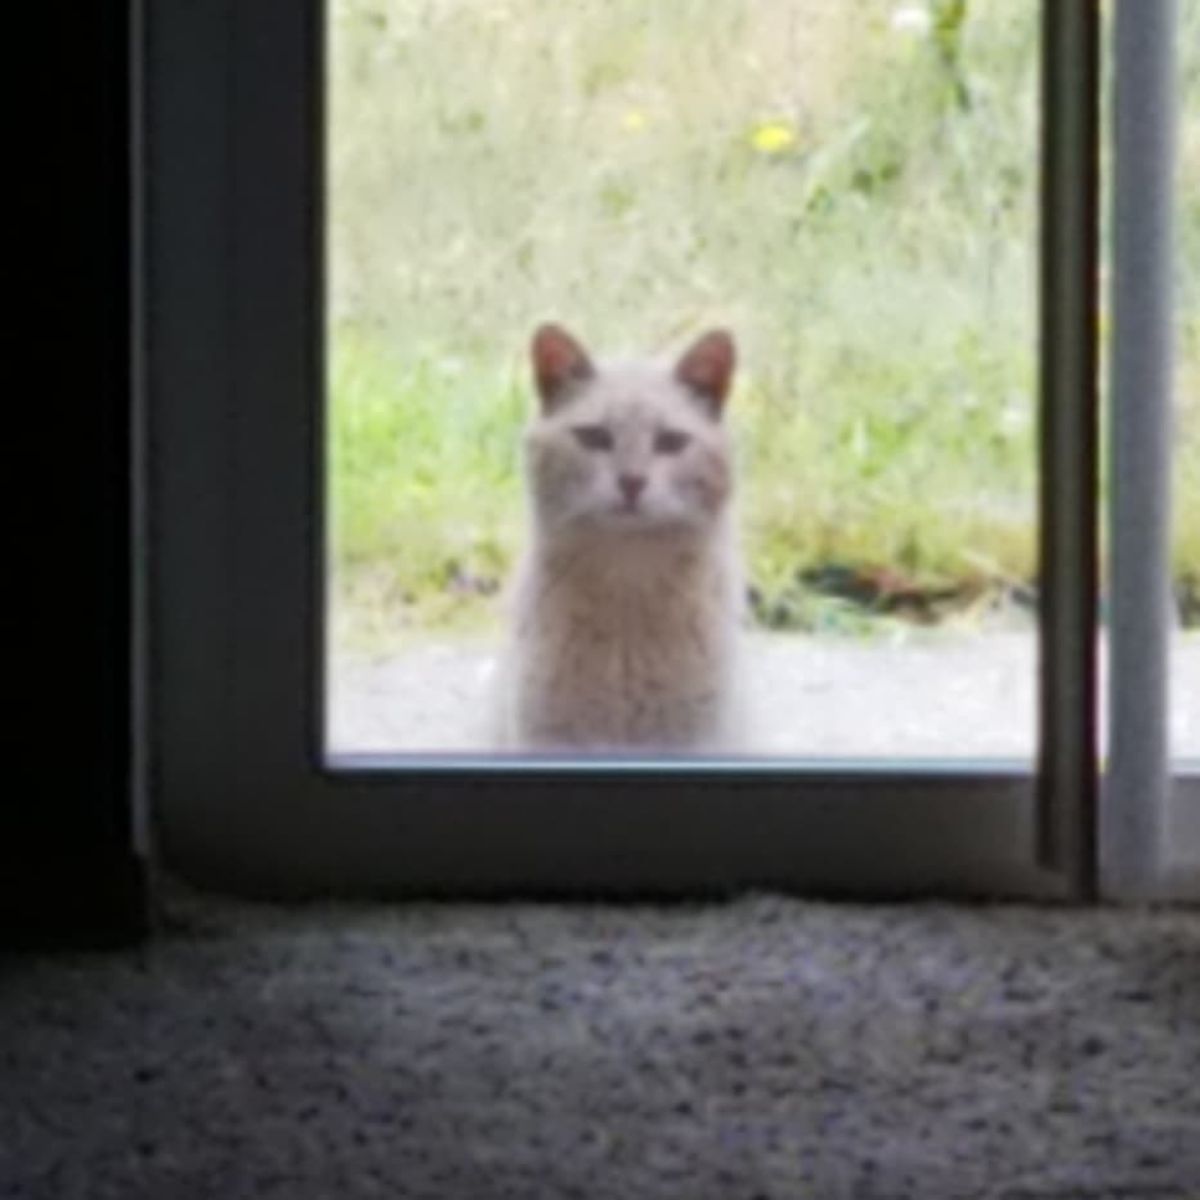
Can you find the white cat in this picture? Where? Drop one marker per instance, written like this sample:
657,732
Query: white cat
627,605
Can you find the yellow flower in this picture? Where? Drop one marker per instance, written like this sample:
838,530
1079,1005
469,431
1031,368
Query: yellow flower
634,120
773,137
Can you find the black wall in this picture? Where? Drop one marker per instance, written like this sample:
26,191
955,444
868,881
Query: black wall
68,871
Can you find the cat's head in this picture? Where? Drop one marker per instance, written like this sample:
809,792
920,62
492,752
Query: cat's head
629,446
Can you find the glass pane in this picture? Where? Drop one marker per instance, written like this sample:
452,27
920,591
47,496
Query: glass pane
1185,662
850,188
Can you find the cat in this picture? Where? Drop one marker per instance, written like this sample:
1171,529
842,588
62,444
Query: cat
627,604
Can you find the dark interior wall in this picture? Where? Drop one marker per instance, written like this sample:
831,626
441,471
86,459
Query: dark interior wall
68,871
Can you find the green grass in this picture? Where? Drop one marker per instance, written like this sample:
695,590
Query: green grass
857,201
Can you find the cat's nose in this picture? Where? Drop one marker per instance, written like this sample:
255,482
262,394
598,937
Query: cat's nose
632,486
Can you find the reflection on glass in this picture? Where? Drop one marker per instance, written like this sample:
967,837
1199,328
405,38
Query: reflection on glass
850,188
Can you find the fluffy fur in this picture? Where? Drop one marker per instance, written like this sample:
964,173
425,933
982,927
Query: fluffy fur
625,609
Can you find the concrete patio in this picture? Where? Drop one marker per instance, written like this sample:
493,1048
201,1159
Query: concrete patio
940,695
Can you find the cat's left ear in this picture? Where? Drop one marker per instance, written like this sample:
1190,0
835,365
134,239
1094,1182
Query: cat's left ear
560,363
706,369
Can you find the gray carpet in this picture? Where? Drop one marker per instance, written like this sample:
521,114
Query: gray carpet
765,1049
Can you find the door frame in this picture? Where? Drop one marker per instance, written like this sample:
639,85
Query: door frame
233,160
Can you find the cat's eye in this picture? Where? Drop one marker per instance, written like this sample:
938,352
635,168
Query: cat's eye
593,437
670,441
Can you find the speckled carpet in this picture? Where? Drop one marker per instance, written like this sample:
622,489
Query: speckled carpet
765,1049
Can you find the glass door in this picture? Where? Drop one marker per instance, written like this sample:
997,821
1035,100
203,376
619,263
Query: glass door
852,190
1185,647
891,208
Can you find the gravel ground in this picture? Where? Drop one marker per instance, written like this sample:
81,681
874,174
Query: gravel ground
943,695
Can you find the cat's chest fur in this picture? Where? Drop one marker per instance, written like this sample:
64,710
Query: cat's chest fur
621,646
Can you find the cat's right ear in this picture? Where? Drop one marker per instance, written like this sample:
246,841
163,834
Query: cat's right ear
707,369
559,364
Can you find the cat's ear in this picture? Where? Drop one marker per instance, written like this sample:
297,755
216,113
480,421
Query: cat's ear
706,369
559,363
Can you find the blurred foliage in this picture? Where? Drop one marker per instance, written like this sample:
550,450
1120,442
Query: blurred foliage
849,184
